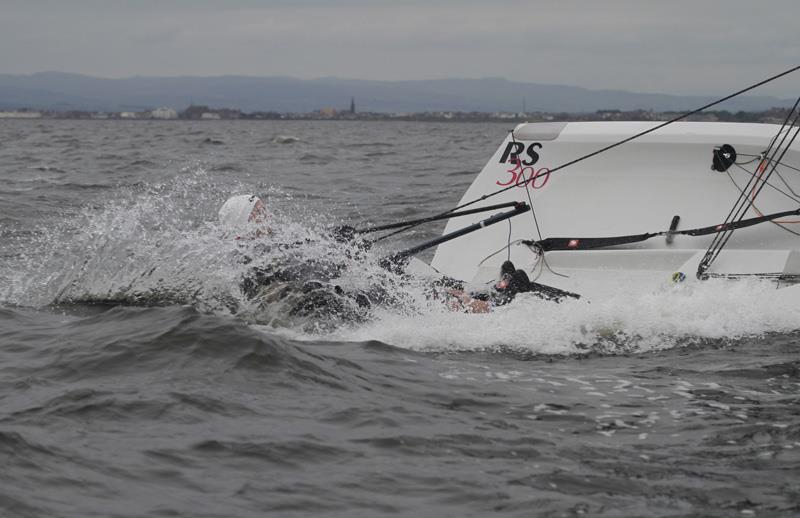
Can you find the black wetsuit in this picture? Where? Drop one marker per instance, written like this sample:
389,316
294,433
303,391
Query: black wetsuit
513,282
309,288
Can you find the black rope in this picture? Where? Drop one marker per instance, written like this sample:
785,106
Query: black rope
787,184
750,200
722,239
408,225
450,213
756,157
781,164
587,243
736,212
508,241
533,212
431,218
790,167
790,196
527,190
744,202
785,149
399,256
787,166
640,134
771,221
602,150
774,170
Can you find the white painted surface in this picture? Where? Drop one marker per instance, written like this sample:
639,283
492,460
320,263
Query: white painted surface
635,188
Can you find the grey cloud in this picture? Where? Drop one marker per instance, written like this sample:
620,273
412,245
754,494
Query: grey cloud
678,47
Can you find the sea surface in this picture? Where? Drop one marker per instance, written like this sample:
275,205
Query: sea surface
137,380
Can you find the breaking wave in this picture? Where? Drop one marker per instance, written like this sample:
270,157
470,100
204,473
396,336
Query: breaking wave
160,244
624,322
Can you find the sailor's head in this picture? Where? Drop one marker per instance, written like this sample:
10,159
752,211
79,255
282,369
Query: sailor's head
506,272
512,280
507,268
243,210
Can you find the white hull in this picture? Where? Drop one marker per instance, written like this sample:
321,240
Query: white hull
633,189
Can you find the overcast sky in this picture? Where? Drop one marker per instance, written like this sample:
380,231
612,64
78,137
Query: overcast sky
669,46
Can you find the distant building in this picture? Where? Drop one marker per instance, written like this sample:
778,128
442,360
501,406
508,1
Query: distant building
194,112
504,115
164,113
327,112
20,114
352,105
128,115
210,116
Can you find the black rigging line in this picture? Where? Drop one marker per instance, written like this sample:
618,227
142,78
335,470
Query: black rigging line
602,150
721,240
755,158
750,184
533,212
771,221
787,166
744,202
408,225
588,243
790,167
508,245
761,155
624,141
792,197
783,153
783,150
525,183
786,183
640,134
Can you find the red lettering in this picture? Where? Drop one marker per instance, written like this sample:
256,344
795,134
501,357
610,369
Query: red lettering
513,172
537,178
541,173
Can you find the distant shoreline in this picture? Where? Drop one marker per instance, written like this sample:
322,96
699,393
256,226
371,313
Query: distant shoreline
204,113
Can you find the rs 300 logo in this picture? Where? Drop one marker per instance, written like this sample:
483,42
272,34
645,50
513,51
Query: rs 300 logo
514,149
523,173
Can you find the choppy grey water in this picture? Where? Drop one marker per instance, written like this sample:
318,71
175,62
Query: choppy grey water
174,397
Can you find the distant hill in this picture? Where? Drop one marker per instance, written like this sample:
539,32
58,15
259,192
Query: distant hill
62,91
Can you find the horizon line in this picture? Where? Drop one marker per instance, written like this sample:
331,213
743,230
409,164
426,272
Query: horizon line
336,78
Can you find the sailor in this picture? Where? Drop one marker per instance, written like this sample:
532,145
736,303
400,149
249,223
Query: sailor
305,284
309,283
512,282
243,211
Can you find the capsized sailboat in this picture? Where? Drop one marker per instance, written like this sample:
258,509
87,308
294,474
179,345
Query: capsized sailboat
691,201
589,208
592,207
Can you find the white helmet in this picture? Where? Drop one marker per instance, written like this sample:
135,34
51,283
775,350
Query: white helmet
237,211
